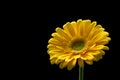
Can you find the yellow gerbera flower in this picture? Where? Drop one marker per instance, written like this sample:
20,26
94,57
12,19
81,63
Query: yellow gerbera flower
78,42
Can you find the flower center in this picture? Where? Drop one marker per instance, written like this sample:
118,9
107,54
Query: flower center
78,45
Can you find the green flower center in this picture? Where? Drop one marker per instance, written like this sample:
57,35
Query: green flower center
78,45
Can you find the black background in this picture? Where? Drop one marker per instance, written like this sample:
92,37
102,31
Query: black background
37,23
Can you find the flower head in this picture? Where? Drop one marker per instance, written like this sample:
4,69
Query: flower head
78,42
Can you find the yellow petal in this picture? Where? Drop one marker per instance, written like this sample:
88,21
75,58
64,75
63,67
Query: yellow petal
84,26
93,52
80,62
57,61
102,52
87,25
90,62
68,58
55,42
52,61
98,47
104,41
82,29
59,38
79,21
53,47
71,64
97,57
63,64
62,33
106,48
56,51
70,29
87,56
100,36
90,29
78,27
50,46
55,55
74,26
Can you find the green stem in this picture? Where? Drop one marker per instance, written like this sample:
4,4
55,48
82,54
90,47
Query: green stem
81,73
